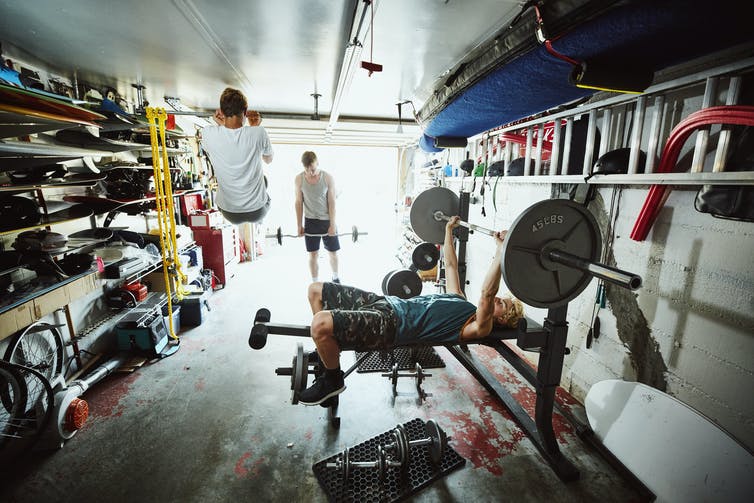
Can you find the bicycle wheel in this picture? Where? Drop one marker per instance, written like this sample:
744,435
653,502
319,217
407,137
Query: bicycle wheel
12,402
31,411
39,347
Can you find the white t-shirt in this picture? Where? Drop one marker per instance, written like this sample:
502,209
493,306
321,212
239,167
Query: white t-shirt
236,155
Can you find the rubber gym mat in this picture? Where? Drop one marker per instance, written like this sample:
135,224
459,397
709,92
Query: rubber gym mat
363,484
405,357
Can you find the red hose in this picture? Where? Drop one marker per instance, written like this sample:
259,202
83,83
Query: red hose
727,115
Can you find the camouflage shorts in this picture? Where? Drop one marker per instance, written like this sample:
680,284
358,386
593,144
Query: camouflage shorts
362,320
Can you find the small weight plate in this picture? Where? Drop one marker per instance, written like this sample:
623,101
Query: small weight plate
385,280
381,462
354,234
551,224
346,464
425,256
438,438
423,209
300,373
403,283
402,446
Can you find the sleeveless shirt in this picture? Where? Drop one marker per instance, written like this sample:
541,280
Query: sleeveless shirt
433,319
315,198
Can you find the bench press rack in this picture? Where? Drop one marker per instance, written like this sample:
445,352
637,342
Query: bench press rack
549,257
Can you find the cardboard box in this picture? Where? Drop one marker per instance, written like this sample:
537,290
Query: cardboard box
15,319
24,315
206,219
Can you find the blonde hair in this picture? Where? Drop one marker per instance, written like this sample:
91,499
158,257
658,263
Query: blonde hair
511,317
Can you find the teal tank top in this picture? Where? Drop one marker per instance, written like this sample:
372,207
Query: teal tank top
430,319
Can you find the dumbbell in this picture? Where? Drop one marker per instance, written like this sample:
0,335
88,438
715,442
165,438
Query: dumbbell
279,235
345,464
418,373
437,441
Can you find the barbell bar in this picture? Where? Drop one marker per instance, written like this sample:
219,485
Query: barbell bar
550,251
355,233
554,254
345,465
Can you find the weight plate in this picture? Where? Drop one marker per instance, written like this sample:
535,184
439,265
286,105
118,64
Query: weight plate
552,224
300,369
438,441
425,256
354,234
384,281
403,283
402,445
346,465
381,462
423,209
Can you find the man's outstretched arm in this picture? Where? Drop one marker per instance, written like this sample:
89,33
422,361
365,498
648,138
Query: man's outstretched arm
452,279
482,324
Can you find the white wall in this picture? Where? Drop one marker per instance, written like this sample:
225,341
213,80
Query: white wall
689,330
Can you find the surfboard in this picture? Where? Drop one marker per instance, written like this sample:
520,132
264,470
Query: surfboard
39,148
678,453
75,212
69,180
14,124
15,96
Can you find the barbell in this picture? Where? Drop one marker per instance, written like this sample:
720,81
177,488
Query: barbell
355,233
550,251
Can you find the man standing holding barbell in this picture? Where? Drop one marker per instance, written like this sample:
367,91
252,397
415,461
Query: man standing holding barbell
315,203
348,318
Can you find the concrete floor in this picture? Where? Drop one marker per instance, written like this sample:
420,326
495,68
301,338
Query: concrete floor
214,422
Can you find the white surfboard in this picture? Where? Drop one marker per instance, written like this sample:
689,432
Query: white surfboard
675,451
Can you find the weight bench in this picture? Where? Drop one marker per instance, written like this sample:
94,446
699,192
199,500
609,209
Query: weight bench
548,339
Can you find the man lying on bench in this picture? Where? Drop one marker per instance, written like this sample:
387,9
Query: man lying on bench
348,318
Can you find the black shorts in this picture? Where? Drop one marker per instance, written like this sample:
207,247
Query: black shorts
362,320
314,226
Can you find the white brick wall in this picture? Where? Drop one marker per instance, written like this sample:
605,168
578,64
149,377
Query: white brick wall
697,300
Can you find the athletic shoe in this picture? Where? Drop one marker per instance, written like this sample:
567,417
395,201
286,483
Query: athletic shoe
336,280
324,387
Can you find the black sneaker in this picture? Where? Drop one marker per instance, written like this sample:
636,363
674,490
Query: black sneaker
324,387
336,280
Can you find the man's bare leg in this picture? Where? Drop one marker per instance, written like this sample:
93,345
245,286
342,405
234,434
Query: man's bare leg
334,264
314,265
315,297
322,334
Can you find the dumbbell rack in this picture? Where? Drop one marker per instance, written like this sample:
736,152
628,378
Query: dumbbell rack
365,485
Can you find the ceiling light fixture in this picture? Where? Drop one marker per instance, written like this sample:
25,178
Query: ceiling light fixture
351,57
400,123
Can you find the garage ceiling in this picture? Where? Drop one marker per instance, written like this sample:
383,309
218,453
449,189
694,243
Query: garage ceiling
278,52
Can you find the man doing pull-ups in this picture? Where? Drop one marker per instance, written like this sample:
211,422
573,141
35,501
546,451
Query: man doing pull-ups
347,318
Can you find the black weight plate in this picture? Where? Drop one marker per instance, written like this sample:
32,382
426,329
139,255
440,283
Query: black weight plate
422,213
425,256
569,227
300,373
404,283
438,438
384,281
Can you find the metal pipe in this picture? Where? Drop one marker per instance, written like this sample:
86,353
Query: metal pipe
621,278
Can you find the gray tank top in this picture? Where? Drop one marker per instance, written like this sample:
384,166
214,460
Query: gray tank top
315,198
